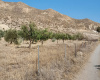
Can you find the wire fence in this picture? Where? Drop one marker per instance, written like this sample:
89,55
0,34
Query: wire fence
53,61
50,61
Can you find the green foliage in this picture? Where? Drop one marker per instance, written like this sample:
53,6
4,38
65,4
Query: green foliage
11,36
63,36
38,34
98,29
51,35
1,34
31,33
28,32
44,35
69,37
78,36
57,36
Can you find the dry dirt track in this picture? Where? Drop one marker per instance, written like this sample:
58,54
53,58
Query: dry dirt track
91,70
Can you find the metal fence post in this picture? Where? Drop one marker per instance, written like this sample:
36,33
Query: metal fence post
38,62
65,52
75,50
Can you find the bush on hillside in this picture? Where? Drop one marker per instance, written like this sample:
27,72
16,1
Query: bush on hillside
98,29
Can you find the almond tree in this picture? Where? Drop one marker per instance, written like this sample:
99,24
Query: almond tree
11,36
28,32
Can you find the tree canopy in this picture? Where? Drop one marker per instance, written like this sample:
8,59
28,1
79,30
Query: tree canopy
1,34
11,36
31,33
28,32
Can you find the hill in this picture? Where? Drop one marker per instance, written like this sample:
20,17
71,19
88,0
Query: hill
14,14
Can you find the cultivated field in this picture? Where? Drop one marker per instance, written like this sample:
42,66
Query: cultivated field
21,63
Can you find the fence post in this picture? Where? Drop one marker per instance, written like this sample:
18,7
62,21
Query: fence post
38,62
65,52
75,50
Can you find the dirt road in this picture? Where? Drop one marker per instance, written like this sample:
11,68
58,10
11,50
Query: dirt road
91,70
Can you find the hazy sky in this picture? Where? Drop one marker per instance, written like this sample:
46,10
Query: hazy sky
78,9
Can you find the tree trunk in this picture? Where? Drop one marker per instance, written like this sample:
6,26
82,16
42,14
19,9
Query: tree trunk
11,42
63,40
30,43
57,41
42,42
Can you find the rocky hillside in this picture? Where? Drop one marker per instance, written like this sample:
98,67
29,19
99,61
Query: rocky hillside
14,14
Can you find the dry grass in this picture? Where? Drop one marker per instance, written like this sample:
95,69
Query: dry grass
21,63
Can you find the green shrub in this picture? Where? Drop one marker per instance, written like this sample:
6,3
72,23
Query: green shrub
69,37
98,29
1,34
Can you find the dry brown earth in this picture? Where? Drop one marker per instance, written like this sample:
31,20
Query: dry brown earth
20,63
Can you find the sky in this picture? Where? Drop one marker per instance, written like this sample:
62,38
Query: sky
78,9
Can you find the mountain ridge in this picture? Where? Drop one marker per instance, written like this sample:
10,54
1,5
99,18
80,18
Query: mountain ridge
14,14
